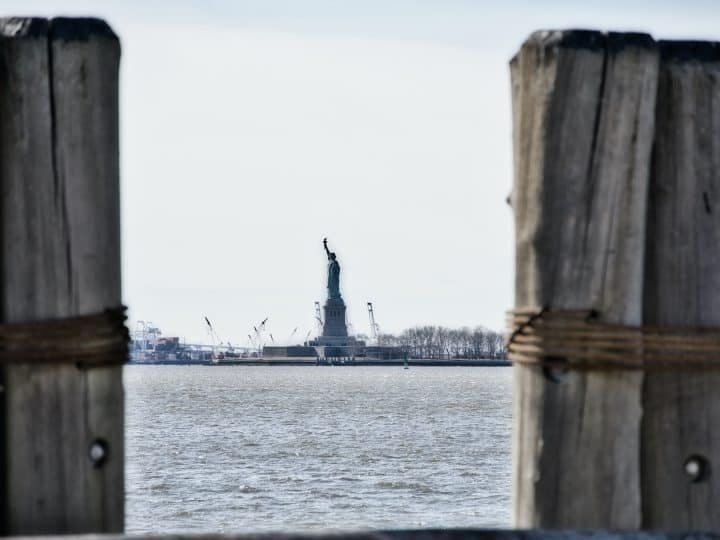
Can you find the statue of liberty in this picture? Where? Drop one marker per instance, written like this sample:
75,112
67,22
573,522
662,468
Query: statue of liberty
333,283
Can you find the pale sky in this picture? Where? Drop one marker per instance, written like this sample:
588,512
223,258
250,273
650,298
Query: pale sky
252,129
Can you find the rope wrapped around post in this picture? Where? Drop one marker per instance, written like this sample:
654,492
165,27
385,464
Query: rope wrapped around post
577,339
88,341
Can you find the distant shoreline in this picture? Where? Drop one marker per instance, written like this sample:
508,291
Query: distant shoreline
313,362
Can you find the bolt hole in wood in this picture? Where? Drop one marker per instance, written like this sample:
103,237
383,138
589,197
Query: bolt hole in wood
697,468
98,453
553,373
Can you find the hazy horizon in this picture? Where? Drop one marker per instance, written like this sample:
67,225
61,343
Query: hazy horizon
251,131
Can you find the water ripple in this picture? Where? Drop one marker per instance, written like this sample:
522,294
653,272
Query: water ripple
258,448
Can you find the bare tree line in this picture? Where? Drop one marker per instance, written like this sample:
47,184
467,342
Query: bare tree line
438,342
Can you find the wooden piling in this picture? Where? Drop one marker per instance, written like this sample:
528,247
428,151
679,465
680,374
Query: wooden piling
583,106
615,196
60,249
681,411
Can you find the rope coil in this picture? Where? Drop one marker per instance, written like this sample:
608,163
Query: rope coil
577,339
99,339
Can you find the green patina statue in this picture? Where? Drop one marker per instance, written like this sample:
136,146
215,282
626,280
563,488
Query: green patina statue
333,283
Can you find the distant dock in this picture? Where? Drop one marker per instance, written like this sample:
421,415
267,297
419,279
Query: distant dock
312,361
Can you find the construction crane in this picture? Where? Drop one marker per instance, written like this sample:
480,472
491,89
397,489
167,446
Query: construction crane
289,340
214,339
259,329
307,336
318,319
374,327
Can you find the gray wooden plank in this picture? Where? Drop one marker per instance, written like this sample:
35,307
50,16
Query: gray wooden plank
59,240
33,284
583,106
682,409
86,56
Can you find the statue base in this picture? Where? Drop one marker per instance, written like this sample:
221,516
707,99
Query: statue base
334,341
334,325
337,347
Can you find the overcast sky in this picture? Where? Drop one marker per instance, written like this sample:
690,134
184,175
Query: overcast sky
252,129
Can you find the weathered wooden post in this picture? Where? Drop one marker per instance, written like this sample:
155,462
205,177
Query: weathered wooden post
616,157
60,245
583,107
681,410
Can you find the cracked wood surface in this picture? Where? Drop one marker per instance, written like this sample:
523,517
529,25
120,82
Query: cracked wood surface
60,242
682,288
583,114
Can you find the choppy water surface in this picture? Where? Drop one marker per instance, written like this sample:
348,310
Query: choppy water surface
302,448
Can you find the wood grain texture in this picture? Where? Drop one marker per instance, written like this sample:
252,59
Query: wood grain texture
583,108
682,287
60,246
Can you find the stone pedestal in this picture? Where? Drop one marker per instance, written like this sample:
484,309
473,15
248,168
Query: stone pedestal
334,326
334,341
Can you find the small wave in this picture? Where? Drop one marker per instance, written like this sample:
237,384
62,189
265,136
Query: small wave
413,486
322,494
182,513
334,496
249,489
287,480
355,506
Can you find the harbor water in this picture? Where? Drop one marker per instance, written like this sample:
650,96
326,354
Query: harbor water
258,448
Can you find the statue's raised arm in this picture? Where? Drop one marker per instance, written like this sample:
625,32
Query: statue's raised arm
326,248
